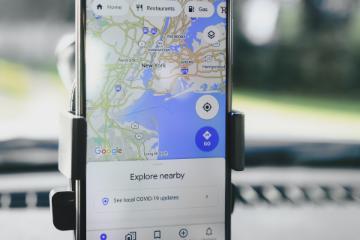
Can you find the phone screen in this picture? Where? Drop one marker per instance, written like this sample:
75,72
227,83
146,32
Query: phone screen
156,111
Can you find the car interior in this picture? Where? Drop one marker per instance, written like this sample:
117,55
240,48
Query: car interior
296,79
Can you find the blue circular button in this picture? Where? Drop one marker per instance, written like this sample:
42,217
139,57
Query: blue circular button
103,236
207,139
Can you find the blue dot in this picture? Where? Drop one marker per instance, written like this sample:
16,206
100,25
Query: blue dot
207,139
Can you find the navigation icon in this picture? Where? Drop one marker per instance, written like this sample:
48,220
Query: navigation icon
157,234
183,233
207,107
103,236
207,139
209,231
130,236
207,135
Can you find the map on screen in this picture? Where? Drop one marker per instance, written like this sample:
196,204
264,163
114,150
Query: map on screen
155,79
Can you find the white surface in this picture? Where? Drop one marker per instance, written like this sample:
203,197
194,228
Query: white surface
29,224
297,223
305,222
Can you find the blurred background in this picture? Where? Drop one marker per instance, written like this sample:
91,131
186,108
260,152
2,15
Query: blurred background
297,79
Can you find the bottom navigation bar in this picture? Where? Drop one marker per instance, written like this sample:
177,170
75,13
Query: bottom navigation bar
193,232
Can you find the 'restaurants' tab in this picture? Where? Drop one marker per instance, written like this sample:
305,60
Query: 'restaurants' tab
156,8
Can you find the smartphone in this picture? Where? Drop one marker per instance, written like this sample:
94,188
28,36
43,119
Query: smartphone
153,85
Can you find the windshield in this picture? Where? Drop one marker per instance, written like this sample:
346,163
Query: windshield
296,74
31,93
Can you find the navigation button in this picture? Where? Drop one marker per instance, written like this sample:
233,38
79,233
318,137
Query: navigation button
211,34
183,233
207,139
130,236
110,7
103,236
197,9
156,8
207,107
209,231
157,234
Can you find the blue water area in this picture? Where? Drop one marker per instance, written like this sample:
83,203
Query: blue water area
177,123
199,25
147,76
167,22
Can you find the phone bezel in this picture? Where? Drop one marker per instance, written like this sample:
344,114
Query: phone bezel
80,110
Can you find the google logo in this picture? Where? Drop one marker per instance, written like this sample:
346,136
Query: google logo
108,151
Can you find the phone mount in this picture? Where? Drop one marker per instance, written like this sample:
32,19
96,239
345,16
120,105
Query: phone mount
72,156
